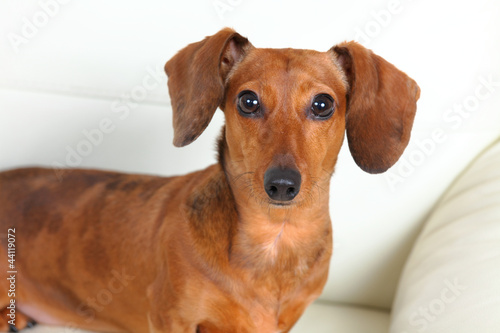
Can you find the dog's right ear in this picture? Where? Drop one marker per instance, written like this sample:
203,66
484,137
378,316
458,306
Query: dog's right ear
196,80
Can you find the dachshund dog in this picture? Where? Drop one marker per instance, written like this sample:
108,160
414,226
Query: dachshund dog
242,246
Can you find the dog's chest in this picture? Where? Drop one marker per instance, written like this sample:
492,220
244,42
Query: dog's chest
267,303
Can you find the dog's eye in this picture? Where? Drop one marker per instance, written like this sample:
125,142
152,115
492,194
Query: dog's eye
323,106
248,103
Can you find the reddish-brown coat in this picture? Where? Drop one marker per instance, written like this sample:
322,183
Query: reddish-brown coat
209,251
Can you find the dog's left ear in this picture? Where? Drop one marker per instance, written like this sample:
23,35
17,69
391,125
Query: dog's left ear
196,80
381,107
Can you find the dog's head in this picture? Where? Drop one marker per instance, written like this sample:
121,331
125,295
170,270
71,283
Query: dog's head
287,110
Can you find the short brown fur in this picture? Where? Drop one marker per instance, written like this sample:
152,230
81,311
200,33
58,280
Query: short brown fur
208,252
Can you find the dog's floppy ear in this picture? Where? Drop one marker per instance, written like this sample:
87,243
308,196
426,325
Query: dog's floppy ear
196,79
381,107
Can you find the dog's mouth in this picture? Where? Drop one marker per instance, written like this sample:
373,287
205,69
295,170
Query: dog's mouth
281,204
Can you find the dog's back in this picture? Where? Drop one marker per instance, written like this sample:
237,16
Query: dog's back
82,228
39,200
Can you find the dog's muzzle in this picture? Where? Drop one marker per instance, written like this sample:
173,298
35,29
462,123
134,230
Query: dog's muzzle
282,184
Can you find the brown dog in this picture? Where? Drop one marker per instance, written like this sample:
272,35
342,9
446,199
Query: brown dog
242,246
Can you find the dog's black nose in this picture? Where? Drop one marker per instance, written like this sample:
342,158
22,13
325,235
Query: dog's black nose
282,184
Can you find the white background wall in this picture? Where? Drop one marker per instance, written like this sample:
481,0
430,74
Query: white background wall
67,65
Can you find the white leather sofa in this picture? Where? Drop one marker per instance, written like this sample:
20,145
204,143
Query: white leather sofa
415,250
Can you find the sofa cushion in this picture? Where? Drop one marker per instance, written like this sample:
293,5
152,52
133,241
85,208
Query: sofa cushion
325,317
451,282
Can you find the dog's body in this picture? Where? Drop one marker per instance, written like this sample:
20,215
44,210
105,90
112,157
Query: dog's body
242,246
186,247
